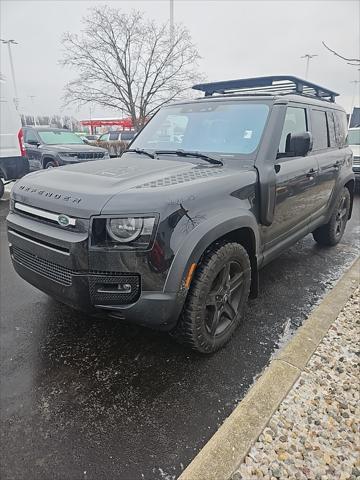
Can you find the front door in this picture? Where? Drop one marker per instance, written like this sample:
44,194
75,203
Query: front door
33,153
296,181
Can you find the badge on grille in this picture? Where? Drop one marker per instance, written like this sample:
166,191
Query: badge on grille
63,220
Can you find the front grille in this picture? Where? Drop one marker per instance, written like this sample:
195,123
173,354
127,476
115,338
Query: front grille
90,155
107,298
356,161
50,270
102,281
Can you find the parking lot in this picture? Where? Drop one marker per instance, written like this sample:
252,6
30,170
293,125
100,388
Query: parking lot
98,399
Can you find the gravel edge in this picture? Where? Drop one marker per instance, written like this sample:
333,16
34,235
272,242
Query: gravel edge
228,447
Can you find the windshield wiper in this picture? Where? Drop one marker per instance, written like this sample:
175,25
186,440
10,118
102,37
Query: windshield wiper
185,153
140,151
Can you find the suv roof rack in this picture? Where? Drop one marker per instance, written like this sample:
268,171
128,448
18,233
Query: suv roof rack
274,85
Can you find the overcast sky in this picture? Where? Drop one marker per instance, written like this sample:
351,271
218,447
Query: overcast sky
235,39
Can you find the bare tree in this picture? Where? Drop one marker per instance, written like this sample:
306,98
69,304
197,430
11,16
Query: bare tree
127,62
350,61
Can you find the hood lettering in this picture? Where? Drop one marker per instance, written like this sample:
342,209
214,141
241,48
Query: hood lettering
56,196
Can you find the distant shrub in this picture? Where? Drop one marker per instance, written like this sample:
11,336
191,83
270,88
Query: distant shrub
115,148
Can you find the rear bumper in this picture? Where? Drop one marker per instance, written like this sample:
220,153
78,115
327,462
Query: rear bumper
356,170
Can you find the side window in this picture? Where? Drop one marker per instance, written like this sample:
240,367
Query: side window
104,137
319,130
114,136
340,128
295,122
331,126
30,135
127,136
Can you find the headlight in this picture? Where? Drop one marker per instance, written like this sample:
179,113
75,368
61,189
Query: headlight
123,232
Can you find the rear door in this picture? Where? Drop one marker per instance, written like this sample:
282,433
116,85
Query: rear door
295,182
328,156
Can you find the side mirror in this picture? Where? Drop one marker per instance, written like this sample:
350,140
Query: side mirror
300,144
35,143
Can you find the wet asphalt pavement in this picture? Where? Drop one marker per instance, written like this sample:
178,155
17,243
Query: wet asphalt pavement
84,398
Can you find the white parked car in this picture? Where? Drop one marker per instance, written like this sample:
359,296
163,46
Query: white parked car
13,162
354,143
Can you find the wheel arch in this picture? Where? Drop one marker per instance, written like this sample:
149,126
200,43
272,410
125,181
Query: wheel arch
242,229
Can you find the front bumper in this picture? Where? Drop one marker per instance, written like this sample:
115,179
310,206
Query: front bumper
59,266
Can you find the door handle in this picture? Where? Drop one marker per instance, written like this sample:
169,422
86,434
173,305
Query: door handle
337,164
311,173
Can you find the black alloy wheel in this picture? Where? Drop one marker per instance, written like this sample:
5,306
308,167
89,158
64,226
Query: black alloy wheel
216,298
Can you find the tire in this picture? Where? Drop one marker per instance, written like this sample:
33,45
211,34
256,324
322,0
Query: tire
2,188
216,299
331,233
50,164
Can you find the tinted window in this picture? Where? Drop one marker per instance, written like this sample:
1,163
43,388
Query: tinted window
295,122
319,130
104,137
229,128
331,126
354,137
30,135
340,127
127,135
114,136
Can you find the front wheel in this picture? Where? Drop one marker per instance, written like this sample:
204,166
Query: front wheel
2,188
331,233
216,299
50,164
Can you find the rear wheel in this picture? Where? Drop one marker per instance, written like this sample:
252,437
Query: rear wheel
216,299
331,233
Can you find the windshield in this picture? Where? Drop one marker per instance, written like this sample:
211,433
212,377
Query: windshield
226,128
59,138
354,137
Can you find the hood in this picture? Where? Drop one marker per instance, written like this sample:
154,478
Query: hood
83,189
73,148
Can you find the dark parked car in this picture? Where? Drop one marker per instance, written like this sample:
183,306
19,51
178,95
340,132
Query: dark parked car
173,235
116,141
53,147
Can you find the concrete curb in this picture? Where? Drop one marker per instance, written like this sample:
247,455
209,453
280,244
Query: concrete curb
226,450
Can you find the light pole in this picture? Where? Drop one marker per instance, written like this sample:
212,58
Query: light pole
308,57
353,100
32,103
171,22
9,43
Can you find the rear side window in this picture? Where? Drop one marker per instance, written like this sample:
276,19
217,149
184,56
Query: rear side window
331,127
295,122
114,136
340,128
127,135
319,130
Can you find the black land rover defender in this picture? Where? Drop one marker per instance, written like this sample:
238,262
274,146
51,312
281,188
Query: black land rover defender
172,235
